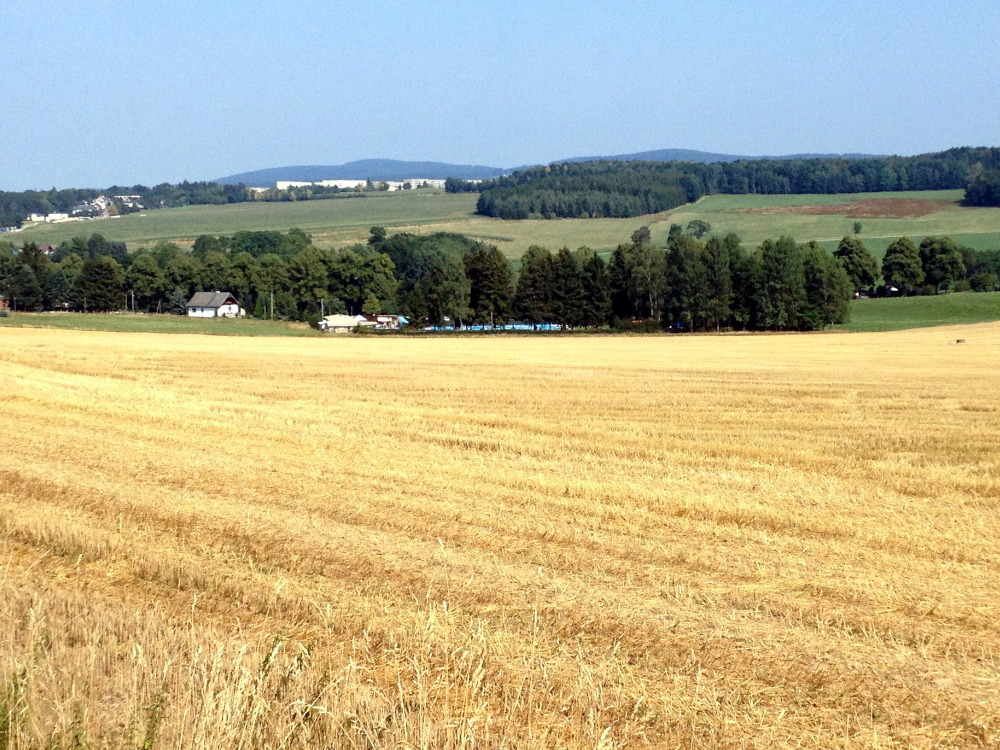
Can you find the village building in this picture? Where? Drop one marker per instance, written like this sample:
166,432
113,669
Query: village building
385,322
345,323
213,305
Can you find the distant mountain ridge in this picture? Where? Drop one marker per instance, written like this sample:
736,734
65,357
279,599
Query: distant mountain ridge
393,169
364,169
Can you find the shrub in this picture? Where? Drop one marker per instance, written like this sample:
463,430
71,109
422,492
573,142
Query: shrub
983,282
4,312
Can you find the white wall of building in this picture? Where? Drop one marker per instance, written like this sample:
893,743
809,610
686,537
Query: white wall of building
226,311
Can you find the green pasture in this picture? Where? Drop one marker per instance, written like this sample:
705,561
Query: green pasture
898,313
345,220
976,227
342,219
891,314
141,323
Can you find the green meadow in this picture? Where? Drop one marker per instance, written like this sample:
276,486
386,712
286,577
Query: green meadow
898,313
139,323
346,220
891,314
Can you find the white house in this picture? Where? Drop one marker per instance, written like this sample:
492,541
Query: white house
213,305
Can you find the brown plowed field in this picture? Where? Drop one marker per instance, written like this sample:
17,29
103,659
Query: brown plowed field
873,208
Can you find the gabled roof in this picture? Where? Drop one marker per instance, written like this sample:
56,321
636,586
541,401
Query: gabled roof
211,299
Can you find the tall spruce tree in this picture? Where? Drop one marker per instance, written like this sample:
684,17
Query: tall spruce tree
567,289
490,284
619,278
533,299
24,289
596,289
101,286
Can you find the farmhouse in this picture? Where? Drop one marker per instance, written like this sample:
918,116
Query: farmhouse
213,305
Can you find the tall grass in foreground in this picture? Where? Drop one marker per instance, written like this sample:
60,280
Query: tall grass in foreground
780,541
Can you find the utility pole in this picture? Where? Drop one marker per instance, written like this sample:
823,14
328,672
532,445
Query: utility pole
272,304
322,307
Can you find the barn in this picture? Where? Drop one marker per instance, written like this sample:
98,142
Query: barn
213,305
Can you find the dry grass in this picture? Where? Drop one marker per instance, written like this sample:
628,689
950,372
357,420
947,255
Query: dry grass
773,541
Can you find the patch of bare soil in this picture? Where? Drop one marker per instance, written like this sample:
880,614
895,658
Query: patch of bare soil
872,208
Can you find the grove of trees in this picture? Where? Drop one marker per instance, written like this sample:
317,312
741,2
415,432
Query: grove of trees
624,189
442,279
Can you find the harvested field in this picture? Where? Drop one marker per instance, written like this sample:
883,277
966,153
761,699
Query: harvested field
871,208
716,541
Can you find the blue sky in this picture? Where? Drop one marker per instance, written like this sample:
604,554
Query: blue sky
96,94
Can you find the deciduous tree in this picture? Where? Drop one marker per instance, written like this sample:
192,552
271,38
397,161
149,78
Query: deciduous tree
861,266
901,266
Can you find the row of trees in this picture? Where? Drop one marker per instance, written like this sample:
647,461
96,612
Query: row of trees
688,286
90,275
938,263
622,189
691,284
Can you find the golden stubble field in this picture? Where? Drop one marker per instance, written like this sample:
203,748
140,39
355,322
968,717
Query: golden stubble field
581,542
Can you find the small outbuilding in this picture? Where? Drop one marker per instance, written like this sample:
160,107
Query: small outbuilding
213,305
344,323
385,322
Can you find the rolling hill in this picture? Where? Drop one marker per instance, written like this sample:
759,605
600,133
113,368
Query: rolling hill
392,169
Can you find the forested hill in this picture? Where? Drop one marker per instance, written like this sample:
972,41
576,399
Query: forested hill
683,154
623,189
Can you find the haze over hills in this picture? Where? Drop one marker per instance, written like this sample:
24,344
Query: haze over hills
365,169
393,169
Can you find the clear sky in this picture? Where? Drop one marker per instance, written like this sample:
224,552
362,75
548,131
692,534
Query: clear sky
149,92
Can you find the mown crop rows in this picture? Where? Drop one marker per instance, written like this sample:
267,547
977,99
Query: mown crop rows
501,542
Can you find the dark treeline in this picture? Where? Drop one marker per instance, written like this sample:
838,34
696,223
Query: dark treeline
688,286
624,189
983,188
442,279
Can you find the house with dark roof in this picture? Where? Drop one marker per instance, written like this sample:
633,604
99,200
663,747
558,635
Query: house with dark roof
213,305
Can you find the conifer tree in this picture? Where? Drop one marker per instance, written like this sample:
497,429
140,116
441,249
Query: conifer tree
490,284
567,289
596,309
533,299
